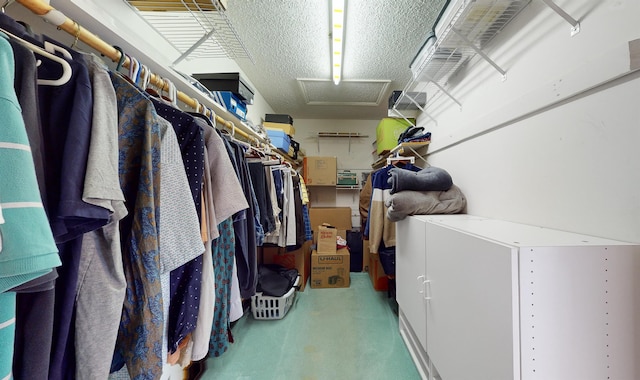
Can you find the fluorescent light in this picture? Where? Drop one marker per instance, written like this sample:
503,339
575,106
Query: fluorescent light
337,34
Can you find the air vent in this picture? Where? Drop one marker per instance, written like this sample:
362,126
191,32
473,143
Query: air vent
322,92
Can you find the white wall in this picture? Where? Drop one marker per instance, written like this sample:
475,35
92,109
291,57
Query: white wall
352,154
555,144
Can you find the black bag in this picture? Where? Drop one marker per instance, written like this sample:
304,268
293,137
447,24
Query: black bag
275,280
354,242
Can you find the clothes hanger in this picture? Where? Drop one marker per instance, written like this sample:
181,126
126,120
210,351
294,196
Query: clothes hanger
398,159
6,4
66,67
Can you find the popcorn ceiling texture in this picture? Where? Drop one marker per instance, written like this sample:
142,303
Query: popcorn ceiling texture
289,40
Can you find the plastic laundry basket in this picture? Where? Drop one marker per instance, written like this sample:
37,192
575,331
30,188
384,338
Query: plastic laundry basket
268,307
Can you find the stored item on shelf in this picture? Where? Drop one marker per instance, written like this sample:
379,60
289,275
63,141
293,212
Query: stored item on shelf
388,131
267,307
278,118
279,139
227,82
347,178
339,217
233,104
422,55
320,171
295,145
399,102
286,128
296,148
330,270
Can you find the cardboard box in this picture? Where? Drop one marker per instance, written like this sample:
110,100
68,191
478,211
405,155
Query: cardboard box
388,131
330,270
379,280
299,259
366,254
286,128
279,139
320,171
339,217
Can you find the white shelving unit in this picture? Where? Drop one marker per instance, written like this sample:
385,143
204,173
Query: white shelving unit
514,301
345,135
466,28
195,28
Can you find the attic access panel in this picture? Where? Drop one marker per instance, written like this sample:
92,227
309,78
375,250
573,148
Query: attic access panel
195,28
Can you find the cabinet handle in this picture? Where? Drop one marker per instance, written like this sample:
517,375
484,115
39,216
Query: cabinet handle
427,286
420,280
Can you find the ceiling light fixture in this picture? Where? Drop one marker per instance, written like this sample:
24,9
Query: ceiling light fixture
337,34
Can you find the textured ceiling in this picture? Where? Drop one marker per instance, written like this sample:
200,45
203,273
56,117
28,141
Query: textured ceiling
290,46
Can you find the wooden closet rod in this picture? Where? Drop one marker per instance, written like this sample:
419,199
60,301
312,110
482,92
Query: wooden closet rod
76,30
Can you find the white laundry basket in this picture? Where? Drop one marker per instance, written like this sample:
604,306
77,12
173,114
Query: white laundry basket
268,307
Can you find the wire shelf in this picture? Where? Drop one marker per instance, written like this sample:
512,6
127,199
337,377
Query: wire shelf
468,27
195,28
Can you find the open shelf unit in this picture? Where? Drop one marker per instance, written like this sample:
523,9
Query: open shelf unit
414,149
348,135
465,29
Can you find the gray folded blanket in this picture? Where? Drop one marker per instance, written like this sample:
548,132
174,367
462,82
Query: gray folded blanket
409,202
427,179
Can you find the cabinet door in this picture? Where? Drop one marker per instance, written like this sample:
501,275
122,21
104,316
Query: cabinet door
410,274
472,310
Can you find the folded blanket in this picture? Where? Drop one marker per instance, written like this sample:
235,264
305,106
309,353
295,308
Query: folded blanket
409,202
427,179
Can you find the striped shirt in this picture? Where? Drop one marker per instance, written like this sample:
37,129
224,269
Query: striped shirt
28,250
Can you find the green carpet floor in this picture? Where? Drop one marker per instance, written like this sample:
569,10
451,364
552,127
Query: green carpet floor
348,333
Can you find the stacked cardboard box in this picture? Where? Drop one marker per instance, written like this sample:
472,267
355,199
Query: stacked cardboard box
320,171
329,265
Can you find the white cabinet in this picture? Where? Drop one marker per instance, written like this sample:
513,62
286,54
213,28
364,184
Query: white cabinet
489,299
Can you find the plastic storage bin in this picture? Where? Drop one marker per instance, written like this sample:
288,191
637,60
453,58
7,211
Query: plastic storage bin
267,307
279,139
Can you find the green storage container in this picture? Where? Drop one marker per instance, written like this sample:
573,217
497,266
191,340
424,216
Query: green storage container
388,131
347,178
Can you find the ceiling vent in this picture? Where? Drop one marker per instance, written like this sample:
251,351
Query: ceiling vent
322,92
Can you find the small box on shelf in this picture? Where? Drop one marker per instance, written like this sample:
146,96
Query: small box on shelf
347,178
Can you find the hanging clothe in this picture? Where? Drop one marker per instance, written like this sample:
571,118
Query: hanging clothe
245,226
34,299
378,227
101,281
223,250
27,247
185,280
140,336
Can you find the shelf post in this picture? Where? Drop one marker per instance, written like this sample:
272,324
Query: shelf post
445,91
480,53
575,24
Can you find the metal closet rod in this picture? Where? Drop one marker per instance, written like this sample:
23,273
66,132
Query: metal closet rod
68,25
